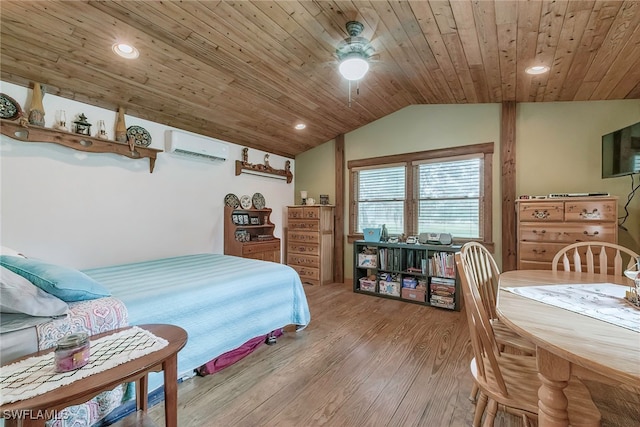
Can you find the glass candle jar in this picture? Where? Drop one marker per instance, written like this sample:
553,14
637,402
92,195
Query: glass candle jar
72,352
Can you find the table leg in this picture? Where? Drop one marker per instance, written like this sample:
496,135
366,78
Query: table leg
142,390
170,368
554,373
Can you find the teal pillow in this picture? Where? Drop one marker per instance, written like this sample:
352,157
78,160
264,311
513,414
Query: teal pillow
65,283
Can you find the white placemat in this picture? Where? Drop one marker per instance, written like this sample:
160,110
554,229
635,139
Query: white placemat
36,375
602,301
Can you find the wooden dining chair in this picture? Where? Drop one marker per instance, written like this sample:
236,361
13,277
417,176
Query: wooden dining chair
584,254
509,381
485,272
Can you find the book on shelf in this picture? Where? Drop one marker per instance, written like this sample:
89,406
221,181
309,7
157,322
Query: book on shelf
442,299
443,265
443,280
442,305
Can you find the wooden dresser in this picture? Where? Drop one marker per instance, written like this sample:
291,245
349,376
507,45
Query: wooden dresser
547,225
310,242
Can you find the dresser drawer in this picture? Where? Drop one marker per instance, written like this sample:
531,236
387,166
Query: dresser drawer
297,212
590,210
254,248
307,272
542,252
541,211
303,236
303,225
543,232
567,232
301,248
303,260
301,212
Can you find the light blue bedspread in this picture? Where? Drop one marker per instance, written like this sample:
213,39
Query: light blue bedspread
221,301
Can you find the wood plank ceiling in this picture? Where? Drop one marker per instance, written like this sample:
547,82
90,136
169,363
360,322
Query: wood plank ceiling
247,71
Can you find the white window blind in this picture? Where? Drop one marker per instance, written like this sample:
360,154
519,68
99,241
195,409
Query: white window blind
381,196
449,197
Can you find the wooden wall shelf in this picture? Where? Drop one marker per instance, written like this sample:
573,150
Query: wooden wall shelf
30,133
263,170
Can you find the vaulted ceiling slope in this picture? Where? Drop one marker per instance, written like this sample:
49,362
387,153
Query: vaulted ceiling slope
247,71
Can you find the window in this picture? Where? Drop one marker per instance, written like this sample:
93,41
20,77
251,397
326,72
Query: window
449,197
438,191
381,196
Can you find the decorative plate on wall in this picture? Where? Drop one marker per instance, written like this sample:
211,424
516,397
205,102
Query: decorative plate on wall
258,201
245,202
231,200
140,135
9,108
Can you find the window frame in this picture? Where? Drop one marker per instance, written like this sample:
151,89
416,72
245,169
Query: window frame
410,161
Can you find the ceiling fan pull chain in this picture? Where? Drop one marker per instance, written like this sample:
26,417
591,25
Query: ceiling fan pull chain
349,93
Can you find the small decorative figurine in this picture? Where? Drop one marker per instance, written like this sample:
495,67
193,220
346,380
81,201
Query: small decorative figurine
83,127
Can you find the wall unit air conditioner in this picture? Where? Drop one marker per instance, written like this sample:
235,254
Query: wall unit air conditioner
195,147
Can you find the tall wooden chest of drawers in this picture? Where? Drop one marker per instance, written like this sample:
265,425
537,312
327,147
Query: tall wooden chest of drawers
310,242
547,225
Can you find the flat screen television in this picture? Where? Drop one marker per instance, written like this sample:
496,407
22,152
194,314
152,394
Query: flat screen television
621,152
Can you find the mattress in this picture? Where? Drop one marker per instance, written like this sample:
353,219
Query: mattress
221,301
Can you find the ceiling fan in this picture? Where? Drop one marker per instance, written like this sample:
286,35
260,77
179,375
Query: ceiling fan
354,52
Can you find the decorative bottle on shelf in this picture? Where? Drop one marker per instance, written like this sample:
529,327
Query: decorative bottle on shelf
384,235
121,129
36,112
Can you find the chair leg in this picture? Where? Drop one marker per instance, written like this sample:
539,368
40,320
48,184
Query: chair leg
477,415
492,410
474,393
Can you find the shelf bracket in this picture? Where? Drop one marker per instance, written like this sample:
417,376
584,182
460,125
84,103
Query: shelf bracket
243,166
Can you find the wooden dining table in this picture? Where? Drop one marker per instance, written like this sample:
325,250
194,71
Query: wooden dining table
568,343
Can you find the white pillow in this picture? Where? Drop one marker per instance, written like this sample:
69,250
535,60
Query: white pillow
8,251
18,295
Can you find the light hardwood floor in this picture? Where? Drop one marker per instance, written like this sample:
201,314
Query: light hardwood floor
362,361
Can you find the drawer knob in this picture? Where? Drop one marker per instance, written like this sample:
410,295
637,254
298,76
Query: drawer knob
595,233
541,231
540,214
594,214
539,251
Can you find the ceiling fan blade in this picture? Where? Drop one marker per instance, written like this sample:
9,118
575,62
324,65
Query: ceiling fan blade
369,17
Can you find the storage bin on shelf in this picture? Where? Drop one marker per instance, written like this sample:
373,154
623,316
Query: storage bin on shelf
367,284
389,284
367,261
414,294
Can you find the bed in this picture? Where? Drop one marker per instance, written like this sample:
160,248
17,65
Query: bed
221,301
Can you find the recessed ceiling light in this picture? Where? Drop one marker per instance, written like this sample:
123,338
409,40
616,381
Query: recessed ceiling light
125,50
300,126
537,69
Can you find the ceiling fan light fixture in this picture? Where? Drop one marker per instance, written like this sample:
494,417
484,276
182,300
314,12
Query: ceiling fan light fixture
300,126
354,66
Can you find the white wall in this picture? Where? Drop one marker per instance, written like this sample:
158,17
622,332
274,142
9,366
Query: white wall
89,209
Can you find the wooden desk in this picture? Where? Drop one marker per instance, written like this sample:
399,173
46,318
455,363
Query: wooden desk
84,389
567,342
